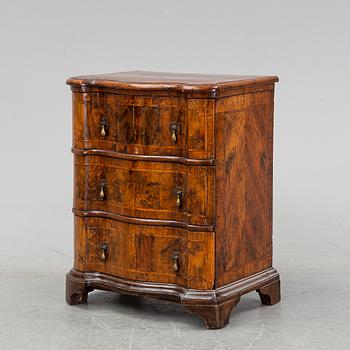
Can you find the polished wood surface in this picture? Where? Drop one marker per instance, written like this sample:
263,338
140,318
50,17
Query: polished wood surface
243,185
143,125
173,189
167,191
163,80
145,253
213,306
171,84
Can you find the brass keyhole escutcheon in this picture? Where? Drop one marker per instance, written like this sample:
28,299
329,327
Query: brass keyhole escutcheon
104,249
102,191
175,257
174,128
103,126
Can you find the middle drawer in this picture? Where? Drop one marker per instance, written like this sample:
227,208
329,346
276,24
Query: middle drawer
144,189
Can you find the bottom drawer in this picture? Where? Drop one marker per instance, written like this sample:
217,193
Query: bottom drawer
145,253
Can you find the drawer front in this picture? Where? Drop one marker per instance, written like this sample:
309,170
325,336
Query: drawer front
155,126
151,190
145,253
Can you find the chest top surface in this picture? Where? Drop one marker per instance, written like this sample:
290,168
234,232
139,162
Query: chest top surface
161,80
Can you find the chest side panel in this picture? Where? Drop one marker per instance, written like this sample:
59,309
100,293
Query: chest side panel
244,185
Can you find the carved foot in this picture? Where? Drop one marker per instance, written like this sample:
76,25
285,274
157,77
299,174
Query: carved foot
76,291
215,315
270,294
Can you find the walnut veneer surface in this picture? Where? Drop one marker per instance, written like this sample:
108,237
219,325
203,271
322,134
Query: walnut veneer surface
173,189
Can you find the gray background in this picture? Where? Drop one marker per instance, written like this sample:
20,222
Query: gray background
306,43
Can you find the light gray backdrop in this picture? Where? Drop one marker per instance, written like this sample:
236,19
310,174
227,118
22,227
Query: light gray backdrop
305,43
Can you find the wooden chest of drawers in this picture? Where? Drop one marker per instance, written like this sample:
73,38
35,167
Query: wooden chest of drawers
173,189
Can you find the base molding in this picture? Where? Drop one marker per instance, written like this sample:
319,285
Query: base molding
213,306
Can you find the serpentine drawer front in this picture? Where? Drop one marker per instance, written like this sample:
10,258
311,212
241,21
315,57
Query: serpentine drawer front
173,189
145,125
152,190
145,253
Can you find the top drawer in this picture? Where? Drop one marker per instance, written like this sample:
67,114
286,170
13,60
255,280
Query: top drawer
158,126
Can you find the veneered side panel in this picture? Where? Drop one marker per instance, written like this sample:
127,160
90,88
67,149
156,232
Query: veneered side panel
243,185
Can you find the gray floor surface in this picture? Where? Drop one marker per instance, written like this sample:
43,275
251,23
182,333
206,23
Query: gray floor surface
312,255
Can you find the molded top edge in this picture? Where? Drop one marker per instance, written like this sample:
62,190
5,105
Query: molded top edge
139,80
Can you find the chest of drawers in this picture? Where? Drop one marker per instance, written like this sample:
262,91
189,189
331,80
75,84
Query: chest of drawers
173,189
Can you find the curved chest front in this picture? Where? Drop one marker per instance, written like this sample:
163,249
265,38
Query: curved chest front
173,189
144,188
148,125
144,252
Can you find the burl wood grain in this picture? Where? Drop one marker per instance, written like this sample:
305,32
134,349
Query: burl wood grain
244,186
142,124
145,189
145,253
